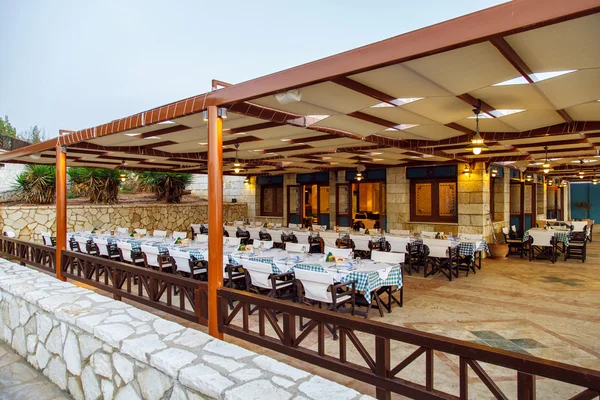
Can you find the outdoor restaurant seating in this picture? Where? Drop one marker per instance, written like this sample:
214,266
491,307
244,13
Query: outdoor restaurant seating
260,279
123,231
338,252
515,245
159,233
107,250
345,242
48,239
319,288
542,244
442,257
264,244
243,234
154,259
185,265
229,241
414,259
577,247
140,231
288,238
390,258
84,246
264,236
129,255
179,235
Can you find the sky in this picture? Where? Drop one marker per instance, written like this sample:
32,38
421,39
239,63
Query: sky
77,64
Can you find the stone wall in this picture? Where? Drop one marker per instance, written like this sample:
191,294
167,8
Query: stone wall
8,176
95,347
28,222
233,188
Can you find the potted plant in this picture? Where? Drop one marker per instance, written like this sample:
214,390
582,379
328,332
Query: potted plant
497,250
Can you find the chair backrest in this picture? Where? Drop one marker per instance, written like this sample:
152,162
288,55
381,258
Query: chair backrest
151,254
505,231
579,225
278,225
231,241
9,234
102,245
401,232
47,238
294,226
316,284
513,228
179,234
202,238
398,244
140,231
82,242
181,260
157,233
345,253
254,233
225,263
265,244
238,223
259,273
541,238
297,247
437,242
196,228
438,251
319,227
387,257
431,234
125,251
123,231
258,223
471,236
302,237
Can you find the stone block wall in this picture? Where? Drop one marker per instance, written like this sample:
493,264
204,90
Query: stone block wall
95,347
233,188
29,221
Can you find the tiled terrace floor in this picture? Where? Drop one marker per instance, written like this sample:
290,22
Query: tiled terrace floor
19,381
537,308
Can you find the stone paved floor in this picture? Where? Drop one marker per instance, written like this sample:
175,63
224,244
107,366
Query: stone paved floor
20,381
546,310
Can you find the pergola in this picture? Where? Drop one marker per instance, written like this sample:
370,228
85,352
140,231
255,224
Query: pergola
532,66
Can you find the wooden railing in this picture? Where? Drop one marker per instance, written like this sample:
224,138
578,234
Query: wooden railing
29,253
143,285
279,318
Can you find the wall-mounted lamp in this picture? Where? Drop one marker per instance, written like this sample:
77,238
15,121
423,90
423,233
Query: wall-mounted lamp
122,177
221,112
247,181
494,172
467,170
528,177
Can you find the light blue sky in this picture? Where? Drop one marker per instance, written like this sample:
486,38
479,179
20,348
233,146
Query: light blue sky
76,64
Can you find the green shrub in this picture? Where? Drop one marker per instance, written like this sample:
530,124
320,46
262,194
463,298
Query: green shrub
37,184
101,185
165,185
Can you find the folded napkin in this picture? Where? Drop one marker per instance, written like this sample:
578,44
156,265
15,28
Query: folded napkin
383,270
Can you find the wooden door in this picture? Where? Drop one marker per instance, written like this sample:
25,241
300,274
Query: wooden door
294,204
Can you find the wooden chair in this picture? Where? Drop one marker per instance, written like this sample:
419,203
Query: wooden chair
140,231
155,259
515,246
229,241
442,258
260,279
129,255
107,250
390,258
542,243
85,246
265,244
400,232
122,231
344,243
186,266
338,252
48,239
297,247
288,238
265,236
202,238
577,247
159,233
415,258
179,235
319,288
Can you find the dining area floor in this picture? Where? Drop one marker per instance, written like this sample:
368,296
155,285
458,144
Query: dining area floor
537,308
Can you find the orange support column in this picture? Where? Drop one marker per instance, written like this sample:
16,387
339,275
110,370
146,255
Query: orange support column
61,207
215,217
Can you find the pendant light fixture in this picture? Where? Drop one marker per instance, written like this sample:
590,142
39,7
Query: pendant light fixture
528,177
494,172
581,173
359,169
247,181
237,165
546,165
477,142
594,178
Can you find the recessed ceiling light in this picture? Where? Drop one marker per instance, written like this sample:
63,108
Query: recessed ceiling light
132,134
397,102
240,133
326,158
313,119
202,144
166,122
401,127
374,153
286,140
378,159
151,138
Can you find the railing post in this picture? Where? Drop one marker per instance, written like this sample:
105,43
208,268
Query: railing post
429,369
525,386
215,217
61,208
289,329
464,378
382,364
